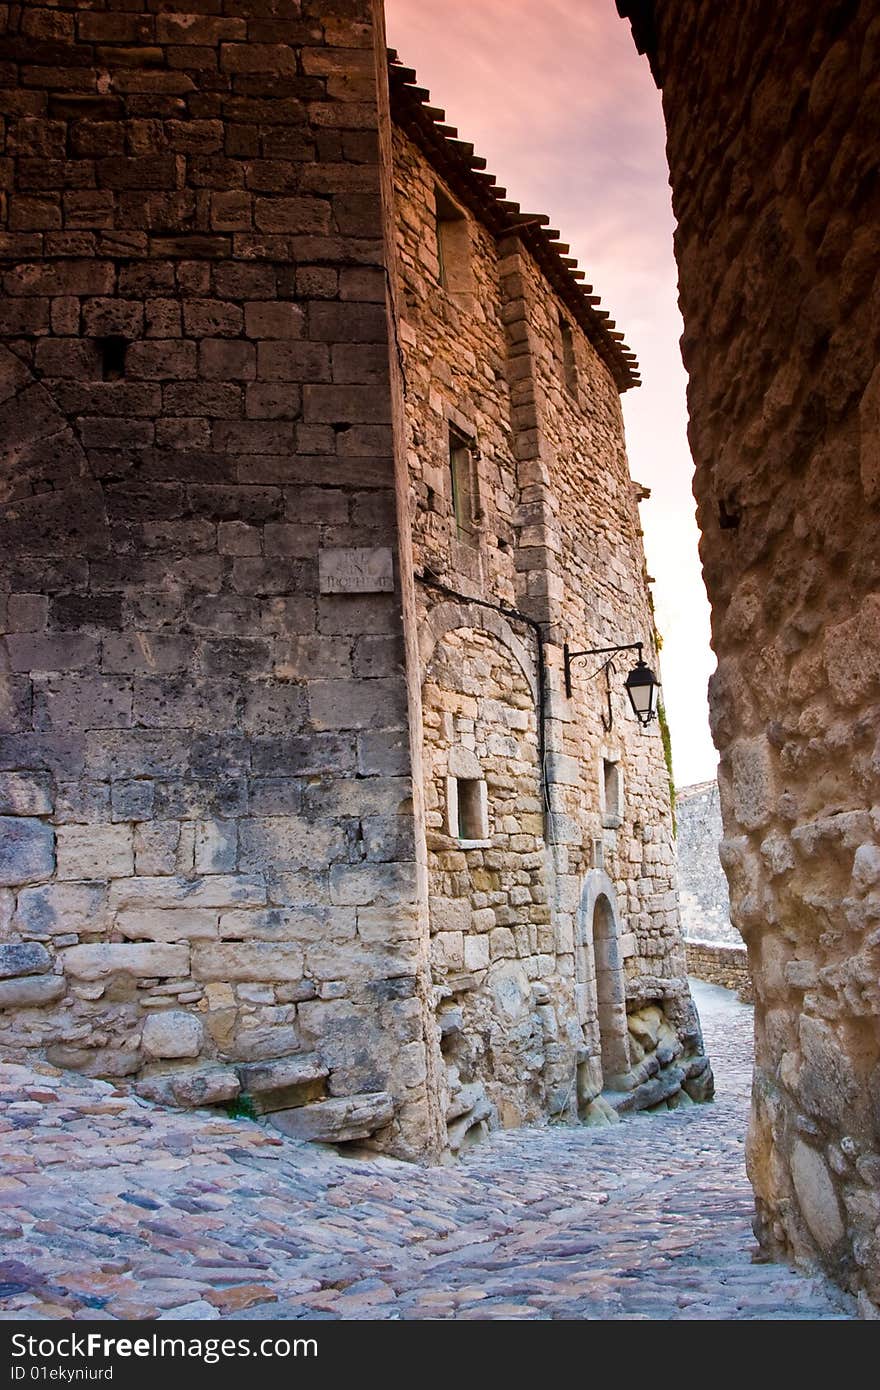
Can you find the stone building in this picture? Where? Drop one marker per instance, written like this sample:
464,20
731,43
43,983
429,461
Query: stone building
704,900
773,139
312,463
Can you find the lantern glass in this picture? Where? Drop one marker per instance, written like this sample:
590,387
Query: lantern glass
643,689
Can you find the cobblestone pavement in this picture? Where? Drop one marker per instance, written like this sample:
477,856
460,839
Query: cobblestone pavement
110,1208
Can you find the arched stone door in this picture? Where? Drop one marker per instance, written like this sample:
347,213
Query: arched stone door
600,976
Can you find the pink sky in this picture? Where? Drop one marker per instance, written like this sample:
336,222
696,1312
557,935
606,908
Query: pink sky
553,94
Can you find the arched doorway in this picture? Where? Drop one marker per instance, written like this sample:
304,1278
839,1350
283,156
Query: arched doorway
610,995
601,981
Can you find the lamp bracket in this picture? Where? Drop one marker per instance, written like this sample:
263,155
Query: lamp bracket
571,657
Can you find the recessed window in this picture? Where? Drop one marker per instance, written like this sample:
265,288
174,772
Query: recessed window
468,808
569,364
465,504
113,350
453,245
612,794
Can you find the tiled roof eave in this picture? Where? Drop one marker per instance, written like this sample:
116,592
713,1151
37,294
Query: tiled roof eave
455,161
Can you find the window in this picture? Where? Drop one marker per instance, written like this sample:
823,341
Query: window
569,365
468,808
465,506
612,794
453,245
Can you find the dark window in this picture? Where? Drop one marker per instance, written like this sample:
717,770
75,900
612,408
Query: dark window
113,350
453,245
471,809
465,506
613,797
569,365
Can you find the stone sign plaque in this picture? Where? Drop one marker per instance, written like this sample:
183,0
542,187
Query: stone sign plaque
356,571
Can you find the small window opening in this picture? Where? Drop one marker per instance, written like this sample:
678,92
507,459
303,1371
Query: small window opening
569,365
453,244
113,350
465,504
612,794
472,808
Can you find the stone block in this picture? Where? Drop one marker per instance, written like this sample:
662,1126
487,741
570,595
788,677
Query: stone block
217,890
358,704
191,1088
31,991
277,1073
382,754
216,846
271,961
290,842
99,961
817,1196
360,884
476,953
132,800
155,847
25,794
172,1033
399,922
502,945
304,922
23,958
57,909
339,1120
169,924
27,850
95,851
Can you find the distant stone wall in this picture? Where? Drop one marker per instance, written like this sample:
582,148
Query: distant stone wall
703,897
721,963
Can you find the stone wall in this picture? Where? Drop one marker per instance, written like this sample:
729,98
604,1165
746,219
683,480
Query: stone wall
555,554
719,963
207,808
703,894
230,372
773,124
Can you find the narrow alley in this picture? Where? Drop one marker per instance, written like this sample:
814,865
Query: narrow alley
110,1208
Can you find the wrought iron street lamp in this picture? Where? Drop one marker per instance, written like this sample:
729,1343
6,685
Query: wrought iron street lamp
641,685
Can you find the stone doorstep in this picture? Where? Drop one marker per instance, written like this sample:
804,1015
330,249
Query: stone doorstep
665,1084
283,1083
337,1121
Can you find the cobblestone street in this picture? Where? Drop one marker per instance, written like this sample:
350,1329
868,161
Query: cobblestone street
110,1208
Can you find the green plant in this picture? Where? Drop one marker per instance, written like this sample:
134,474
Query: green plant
242,1108
667,753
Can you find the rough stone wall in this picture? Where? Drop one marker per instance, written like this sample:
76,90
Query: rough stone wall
558,541
721,964
208,826
493,942
773,119
704,898
582,564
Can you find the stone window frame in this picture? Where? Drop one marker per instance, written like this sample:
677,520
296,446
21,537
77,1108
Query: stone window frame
464,487
611,789
454,240
464,766
453,811
459,428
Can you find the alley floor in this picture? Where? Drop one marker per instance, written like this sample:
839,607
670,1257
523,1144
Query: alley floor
110,1208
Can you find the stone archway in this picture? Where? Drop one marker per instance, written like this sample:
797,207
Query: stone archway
772,143
610,997
599,964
